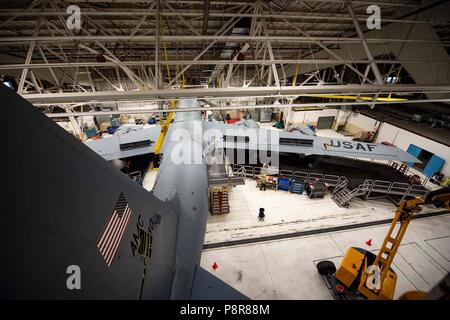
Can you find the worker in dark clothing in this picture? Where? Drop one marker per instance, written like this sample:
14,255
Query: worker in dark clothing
263,184
261,214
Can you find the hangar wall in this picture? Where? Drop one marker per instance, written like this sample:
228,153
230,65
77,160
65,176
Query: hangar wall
397,136
357,123
311,117
402,139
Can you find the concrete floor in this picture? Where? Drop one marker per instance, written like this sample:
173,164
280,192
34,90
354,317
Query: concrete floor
288,213
285,269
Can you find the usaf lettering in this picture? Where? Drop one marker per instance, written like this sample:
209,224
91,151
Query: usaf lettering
349,145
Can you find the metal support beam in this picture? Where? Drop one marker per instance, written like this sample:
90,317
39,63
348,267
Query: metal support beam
74,123
373,65
218,34
205,16
237,107
233,92
230,66
105,78
63,56
314,74
88,73
20,66
157,44
8,41
35,83
187,24
271,56
55,78
110,56
363,80
323,47
139,24
198,14
23,77
19,13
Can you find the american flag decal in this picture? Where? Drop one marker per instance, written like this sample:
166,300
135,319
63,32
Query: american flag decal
115,228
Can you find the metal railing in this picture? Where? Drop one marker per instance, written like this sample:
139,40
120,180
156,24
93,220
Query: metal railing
372,188
220,179
396,188
342,184
399,188
333,180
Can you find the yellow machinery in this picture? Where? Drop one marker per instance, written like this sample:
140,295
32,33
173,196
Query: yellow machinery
164,124
164,127
441,291
363,98
363,274
442,200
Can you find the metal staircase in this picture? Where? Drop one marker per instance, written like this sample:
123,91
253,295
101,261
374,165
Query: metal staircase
342,195
220,174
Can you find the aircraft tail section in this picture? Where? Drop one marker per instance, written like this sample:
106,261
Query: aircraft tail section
72,225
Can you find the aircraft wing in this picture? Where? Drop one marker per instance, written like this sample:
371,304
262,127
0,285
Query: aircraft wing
69,218
279,141
127,144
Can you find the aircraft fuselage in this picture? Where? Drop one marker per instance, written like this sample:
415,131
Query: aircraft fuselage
188,183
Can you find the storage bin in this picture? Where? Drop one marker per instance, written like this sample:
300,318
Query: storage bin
284,184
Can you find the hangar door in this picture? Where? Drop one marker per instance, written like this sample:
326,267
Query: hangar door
325,122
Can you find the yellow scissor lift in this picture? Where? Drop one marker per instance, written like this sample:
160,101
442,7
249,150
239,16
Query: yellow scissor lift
364,275
165,124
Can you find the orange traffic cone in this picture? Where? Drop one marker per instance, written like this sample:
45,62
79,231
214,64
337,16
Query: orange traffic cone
369,242
215,265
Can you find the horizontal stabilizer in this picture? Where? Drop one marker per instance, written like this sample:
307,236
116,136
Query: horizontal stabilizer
208,287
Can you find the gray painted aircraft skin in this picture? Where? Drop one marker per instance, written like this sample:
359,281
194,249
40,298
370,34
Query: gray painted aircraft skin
304,144
61,199
111,147
302,128
191,184
299,142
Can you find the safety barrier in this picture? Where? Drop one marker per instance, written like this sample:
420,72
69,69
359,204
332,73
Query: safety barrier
329,179
333,180
315,176
378,187
417,190
372,188
224,180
